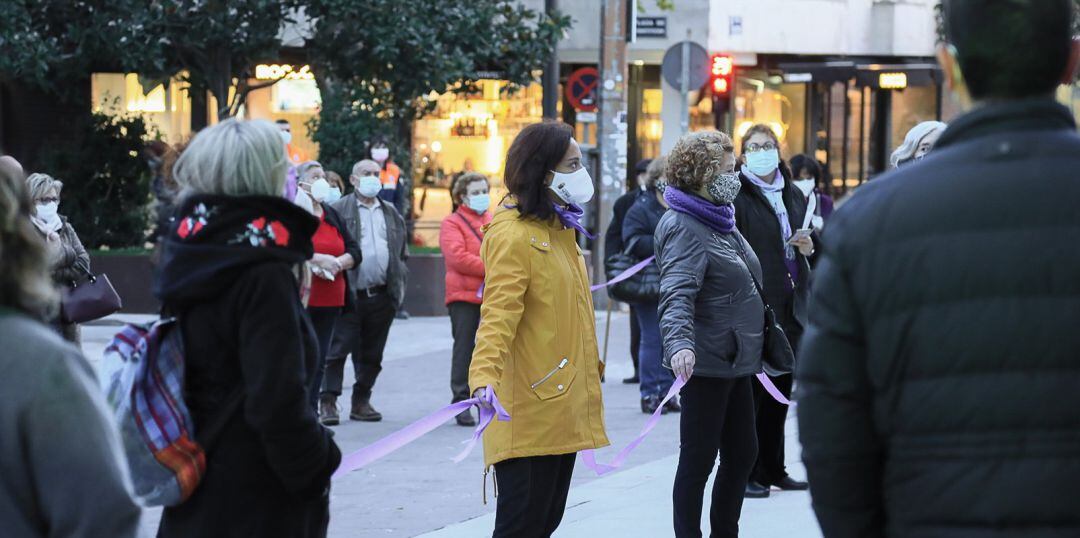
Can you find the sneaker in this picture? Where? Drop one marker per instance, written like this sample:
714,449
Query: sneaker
328,411
465,418
363,412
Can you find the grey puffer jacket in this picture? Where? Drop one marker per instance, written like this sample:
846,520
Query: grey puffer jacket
708,301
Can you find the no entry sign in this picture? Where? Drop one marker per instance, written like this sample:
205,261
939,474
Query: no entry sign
581,89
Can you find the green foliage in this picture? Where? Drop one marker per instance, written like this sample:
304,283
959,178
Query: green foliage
378,61
106,180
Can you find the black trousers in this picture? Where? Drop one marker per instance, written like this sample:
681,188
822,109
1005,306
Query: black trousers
635,339
717,419
464,322
771,417
323,320
361,332
532,495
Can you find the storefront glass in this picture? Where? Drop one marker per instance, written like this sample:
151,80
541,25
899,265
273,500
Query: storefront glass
166,107
466,132
760,98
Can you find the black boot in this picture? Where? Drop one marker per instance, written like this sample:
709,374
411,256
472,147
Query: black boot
465,418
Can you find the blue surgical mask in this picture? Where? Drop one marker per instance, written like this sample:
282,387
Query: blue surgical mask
763,163
335,195
479,203
369,186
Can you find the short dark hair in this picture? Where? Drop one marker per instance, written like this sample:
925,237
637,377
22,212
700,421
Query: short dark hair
802,162
536,150
281,121
1010,49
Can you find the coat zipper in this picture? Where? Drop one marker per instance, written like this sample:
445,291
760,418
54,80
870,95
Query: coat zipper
554,371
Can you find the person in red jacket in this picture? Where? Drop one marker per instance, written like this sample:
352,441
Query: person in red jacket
460,237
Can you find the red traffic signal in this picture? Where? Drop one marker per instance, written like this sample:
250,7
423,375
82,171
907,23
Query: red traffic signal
723,67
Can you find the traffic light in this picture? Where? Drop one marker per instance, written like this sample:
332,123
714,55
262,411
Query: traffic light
721,81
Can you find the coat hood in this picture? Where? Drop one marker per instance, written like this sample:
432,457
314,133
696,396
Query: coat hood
212,239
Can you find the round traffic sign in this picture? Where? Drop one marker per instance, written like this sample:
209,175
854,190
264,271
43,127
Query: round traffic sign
581,89
672,67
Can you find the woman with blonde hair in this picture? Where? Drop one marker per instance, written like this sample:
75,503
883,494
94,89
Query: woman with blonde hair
229,271
68,259
711,317
63,468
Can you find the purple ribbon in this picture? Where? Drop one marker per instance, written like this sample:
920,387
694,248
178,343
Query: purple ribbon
772,390
418,429
588,457
625,274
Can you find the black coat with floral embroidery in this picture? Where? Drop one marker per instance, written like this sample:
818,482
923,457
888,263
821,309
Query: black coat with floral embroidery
228,270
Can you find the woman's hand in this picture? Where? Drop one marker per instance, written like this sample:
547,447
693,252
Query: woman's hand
682,363
480,394
805,246
327,263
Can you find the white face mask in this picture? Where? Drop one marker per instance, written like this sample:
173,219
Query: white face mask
573,188
320,190
368,186
380,154
47,212
286,136
335,195
805,185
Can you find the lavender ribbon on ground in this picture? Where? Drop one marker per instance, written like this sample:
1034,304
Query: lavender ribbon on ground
418,429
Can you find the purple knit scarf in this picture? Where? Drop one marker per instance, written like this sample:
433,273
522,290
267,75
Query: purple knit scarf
570,217
718,217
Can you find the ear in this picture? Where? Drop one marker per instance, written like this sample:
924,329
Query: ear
1069,77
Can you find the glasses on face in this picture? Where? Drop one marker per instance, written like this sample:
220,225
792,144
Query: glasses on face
48,200
754,148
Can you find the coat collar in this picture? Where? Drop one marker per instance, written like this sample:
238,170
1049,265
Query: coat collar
1009,116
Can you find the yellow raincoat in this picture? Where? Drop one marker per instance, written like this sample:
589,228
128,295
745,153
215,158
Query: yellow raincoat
536,345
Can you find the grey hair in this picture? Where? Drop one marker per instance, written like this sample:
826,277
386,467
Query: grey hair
234,158
25,284
911,142
305,167
356,167
461,184
40,184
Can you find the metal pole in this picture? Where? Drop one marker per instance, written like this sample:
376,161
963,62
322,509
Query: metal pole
550,79
684,88
611,126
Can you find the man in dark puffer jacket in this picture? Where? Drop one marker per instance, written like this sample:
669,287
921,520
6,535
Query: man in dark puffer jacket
936,376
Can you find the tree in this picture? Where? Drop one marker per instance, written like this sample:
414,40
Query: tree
378,62
210,44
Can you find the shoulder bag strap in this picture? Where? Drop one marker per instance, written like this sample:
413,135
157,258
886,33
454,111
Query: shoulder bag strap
742,255
469,226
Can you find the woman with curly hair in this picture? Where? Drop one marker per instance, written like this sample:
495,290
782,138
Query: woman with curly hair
711,317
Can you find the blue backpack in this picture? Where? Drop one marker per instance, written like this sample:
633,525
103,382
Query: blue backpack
143,372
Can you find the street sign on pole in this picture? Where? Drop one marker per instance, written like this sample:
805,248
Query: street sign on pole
686,67
581,89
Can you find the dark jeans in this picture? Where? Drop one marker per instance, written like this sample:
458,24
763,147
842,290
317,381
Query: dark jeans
655,379
464,321
771,417
717,418
532,495
322,320
361,332
635,338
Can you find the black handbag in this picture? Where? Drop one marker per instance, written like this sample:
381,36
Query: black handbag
92,298
777,357
642,287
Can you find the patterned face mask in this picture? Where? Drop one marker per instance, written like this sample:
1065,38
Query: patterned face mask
724,188
661,186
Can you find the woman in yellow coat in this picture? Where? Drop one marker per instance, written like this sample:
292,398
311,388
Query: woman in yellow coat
536,346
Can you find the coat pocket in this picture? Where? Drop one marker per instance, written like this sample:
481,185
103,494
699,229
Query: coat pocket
556,382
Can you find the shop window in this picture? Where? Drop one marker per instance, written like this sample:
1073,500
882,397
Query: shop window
760,98
166,107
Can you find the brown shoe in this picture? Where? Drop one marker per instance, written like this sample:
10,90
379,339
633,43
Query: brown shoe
328,411
363,412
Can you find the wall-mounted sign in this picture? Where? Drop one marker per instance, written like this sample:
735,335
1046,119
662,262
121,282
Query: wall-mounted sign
892,81
652,27
734,25
285,71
